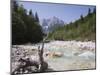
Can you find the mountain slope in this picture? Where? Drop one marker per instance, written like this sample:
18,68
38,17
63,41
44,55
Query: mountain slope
51,24
82,29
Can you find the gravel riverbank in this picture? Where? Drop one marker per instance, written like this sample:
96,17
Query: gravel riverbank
60,55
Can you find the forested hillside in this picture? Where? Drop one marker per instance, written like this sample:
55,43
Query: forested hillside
82,29
25,25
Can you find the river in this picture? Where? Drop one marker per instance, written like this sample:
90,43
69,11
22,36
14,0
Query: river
60,55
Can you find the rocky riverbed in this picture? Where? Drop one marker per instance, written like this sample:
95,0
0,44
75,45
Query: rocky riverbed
60,55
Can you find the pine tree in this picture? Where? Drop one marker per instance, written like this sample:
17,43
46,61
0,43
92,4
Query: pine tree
36,17
89,11
30,12
14,5
94,10
24,26
82,19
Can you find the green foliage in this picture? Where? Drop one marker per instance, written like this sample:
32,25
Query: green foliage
15,5
83,29
25,27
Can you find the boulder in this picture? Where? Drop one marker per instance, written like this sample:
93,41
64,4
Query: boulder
54,54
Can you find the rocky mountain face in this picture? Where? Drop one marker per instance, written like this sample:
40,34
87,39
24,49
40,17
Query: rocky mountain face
49,25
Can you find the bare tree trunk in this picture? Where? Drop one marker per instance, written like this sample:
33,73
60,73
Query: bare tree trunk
41,59
43,65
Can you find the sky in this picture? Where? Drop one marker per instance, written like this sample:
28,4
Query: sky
66,12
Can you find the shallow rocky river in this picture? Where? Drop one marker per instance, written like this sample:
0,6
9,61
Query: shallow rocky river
60,55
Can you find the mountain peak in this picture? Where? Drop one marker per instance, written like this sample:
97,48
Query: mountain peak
50,24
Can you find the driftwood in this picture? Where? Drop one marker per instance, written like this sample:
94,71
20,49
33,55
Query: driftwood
43,65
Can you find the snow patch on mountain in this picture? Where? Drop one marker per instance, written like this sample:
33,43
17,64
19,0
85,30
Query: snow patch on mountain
49,25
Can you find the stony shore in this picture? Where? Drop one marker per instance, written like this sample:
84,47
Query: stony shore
60,55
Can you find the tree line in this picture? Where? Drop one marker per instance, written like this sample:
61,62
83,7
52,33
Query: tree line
25,25
82,29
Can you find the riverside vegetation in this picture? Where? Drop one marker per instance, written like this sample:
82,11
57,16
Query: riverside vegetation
83,29
26,27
